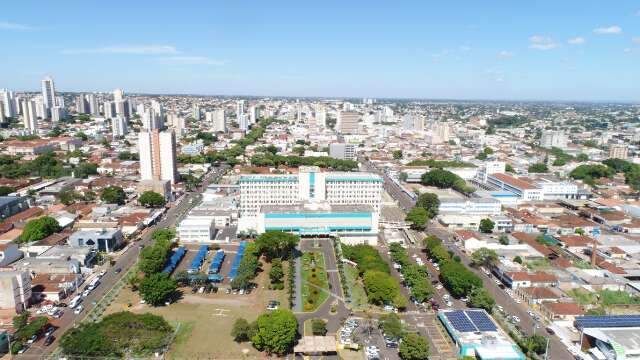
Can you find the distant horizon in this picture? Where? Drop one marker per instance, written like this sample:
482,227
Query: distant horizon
550,51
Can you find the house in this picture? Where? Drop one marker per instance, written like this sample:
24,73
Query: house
29,147
537,295
564,311
106,240
54,287
518,279
11,205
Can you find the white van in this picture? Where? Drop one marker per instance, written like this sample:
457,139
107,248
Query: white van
75,301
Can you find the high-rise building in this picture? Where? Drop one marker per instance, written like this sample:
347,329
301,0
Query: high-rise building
118,95
29,115
243,122
179,125
122,108
109,109
41,109
253,115
440,132
9,103
413,122
48,94
551,138
58,113
119,126
151,120
2,119
217,120
158,109
140,109
347,122
321,116
82,107
60,101
94,106
195,112
157,155
618,151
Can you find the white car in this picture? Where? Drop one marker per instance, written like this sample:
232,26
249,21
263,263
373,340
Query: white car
465,299
102,273
86,293
497,282
439,286
515,319
530,313
518,301
449,303
78,310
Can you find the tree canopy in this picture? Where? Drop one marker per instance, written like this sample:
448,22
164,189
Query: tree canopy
40,228
480,298
113,195
413,347
429,202
151,199
276,244
156,288
276,332
484,257
417,217
486,225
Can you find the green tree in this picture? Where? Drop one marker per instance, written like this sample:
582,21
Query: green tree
503,239
430,202
509,168
418,217
397,154
241,330
486,226
276,332
458,279
538,168
536,343
156,288
151,199
113,195
318,327
276,274
82,171
582,157
480,298
381,287
276,244
68,197
6,190
81,135
39,229
517,259
484,257
413,347
391,325
87,341
20,321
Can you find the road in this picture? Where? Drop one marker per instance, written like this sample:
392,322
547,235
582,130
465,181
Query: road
127,259
557,350
405,202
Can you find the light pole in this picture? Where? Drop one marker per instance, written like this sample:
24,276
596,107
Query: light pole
546,349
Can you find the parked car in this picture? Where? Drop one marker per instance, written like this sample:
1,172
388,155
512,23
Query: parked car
117,270
550,331
49,340
49,330
78,310
273,305
32,339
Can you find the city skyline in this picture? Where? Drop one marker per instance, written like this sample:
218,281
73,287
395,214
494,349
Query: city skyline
543,52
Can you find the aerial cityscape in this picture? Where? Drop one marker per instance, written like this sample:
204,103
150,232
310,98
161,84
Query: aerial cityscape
359,180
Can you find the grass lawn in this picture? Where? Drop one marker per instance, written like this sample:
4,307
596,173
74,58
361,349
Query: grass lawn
538,265
582,297
206,319
358,295
314,273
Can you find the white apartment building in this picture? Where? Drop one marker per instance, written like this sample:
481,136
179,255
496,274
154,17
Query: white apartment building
217,119
321,118
48,93
29,115
119,126
15,290
151,120
308,186
157,155
199,230
490,167
552,138
109,109
618,151
342,151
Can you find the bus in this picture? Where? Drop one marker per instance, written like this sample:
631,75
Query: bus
75,301
93,284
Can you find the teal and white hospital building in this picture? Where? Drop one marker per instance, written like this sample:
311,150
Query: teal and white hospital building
313,203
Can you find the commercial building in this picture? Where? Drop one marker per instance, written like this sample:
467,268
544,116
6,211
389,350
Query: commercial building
15,290
614,337
618,151
342,151
470,206
106,240
553,138
198,230
348,122
11,205
157,155
525,190
477,336
354,224
308,186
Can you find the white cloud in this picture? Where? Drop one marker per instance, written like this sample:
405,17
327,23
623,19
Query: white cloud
504,54
577,40
615,29
5,25
539,42
127,49
191,60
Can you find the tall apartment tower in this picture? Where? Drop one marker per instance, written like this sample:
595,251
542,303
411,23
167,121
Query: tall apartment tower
2,119
48,93
119,126
196,114
82,107
243,122
217,120
347,122
157,155
94,106
118,95
321,117
151,120
29,115
58,113
8,101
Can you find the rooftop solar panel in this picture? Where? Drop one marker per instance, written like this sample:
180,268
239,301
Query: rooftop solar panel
460,321
607,321
481,320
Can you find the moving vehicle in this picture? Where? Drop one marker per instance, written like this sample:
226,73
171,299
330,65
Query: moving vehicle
117,270
550,331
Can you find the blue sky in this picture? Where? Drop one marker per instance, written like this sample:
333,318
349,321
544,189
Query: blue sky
537,50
